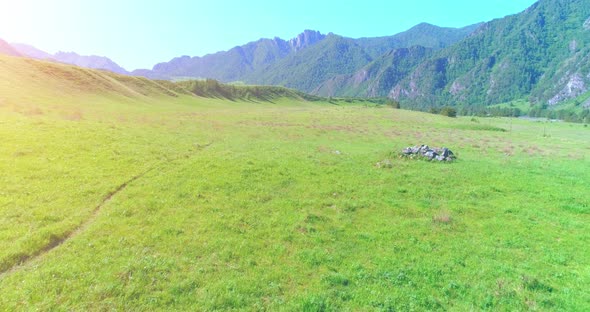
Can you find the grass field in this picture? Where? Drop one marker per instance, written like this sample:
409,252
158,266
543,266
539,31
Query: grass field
125,194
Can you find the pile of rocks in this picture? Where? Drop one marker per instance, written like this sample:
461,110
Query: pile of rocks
440,154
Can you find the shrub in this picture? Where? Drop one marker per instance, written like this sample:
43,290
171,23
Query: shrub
449,112
393,104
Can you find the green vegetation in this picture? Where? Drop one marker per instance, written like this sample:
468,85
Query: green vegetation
534,55
376,78
308,68
304,63
423,35
562,114
534,62
213,89
448,111
121,193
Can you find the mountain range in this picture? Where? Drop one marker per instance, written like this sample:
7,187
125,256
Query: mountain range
541,55
303,62
72,58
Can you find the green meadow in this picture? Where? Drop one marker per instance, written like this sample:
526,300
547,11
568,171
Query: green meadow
120,193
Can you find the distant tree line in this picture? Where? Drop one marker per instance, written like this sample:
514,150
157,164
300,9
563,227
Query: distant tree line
562,114
539,111
491,111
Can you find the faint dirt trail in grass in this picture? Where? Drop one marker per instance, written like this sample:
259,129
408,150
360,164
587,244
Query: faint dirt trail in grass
56,241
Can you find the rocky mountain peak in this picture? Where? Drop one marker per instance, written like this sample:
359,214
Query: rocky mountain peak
305,39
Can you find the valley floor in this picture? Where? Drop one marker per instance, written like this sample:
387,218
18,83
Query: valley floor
200,204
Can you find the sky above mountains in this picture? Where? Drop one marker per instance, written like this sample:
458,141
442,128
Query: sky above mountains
139,34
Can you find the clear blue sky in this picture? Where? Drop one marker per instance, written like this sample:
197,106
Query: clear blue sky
140,33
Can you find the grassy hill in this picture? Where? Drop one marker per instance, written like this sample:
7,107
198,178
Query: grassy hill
21,75
121,193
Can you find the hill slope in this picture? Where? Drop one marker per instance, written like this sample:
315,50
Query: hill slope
374,79
424,34
7,49
72,58
89,61
309,67
31,51
61,80
541,54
